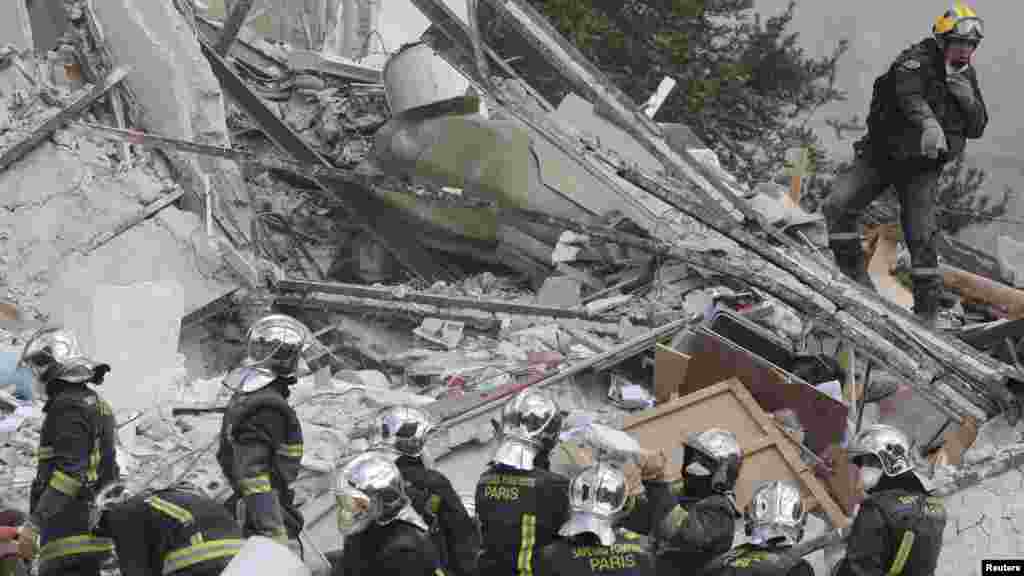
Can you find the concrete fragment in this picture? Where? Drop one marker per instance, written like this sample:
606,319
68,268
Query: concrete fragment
447,333
1011,259
135,328
561,291
16,25
180,96
147,253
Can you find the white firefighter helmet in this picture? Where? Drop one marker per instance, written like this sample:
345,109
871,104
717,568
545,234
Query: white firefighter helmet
261,555
276,343
274,346
775,513
597,497
54,354
402,430
884,450
369,489
530,424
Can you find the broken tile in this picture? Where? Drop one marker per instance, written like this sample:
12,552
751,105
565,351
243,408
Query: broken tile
560,291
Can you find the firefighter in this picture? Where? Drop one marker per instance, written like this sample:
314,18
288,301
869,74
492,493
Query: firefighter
923,109
383,533
774,520
175,531
593,543
403,430
898,529
520,507
77,454
702,524
261,438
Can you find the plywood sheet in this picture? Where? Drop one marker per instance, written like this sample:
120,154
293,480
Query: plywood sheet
670,368
714,359
767,454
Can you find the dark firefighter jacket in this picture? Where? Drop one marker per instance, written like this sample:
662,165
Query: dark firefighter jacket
582,555
397,548
260,453
751,560
913,89
76,457
646,510
694,532
520,512
897,532
452,529
172,532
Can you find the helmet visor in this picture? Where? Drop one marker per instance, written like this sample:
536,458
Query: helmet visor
276,344
968,29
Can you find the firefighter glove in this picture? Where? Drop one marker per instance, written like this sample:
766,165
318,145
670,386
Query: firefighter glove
961,88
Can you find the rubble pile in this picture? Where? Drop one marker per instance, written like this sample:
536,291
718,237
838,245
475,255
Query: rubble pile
445,255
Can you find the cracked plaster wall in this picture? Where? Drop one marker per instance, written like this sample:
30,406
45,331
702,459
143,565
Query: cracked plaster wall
180,95
66,193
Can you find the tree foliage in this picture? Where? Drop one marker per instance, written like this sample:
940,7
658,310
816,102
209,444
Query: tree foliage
744,85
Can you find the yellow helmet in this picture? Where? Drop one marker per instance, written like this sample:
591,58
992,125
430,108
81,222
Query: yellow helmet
960,22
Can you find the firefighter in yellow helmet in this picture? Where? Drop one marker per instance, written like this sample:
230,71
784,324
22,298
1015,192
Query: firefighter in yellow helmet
923,109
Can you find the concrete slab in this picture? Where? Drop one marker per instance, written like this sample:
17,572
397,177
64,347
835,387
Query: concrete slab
16,25
149,252
135,328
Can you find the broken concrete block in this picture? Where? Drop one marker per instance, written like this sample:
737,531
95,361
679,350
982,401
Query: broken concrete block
135,328
564,253
560,291
446,333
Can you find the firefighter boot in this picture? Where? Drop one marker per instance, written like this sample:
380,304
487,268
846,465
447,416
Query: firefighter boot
927,292
851,260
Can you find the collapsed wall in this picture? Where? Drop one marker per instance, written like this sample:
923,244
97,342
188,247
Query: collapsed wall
178,94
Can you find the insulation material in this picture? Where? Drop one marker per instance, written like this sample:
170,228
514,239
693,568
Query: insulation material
135,328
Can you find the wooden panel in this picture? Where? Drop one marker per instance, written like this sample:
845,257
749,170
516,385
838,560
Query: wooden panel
670,368
714,359
767,454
